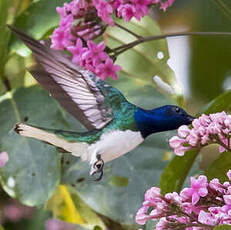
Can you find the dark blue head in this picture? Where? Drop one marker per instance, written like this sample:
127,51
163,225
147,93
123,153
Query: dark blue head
163,118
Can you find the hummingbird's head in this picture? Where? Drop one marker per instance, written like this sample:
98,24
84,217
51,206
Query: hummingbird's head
160,119
173,115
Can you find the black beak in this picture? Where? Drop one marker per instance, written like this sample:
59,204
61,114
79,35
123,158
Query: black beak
190,119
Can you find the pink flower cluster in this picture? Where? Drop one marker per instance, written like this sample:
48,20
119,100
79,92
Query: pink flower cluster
127,9
94,58
207,129
4,157
14,211
202,206
83,21
55,224
137,8
78,27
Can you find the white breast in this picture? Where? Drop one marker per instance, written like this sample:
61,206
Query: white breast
115,143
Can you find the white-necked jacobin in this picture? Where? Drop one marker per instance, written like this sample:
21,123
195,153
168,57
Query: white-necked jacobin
115,126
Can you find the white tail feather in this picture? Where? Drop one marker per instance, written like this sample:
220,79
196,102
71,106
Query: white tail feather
75,148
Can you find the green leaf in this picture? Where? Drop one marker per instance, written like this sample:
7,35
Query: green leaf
209,60
140,169
91,218
223,227
67,206
220,167
119,181
219,104
144,56
174,175
4,7
33,169
37,222
2,87
36,20
62,206
222,164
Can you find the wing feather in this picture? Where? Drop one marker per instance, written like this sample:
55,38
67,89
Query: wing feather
75,88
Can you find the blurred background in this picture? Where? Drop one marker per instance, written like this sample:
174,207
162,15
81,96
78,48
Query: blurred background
202,65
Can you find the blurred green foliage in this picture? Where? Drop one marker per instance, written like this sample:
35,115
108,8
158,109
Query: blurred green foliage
210,59
223,227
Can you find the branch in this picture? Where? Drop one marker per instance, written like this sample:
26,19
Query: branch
129,31
224,8
120,49
6,83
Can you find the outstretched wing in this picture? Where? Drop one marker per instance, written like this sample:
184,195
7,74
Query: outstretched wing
79,91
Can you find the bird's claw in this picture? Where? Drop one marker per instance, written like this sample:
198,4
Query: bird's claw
100,176
97,168
18,128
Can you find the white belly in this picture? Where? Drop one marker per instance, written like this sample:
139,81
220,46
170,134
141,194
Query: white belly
115,143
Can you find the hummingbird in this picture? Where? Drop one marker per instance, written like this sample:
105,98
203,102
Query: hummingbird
114,125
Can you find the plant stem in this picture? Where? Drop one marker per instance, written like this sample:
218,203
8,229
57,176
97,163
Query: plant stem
129,31
225,9
6,83
120,49
221,143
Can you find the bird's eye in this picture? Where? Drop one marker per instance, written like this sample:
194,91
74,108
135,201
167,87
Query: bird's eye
177,109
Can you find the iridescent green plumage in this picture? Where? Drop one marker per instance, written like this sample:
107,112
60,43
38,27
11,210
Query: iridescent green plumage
122,112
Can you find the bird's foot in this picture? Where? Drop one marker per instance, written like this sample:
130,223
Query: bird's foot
97,167
18,128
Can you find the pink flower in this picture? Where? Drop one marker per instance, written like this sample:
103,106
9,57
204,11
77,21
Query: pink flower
61,38
3,159
141,7
225,142
57,39
176,142
198,189
216,185
186,210
95,53
108,69
227,122
190,208
206,218
193,138
126,11
213,128
173,198
141,216
152,199
181,150
204,120
166,4
183,131
205,139
104,11
227,199
153,194
55,224
229,174
162,224
15,211
82,20
77,51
